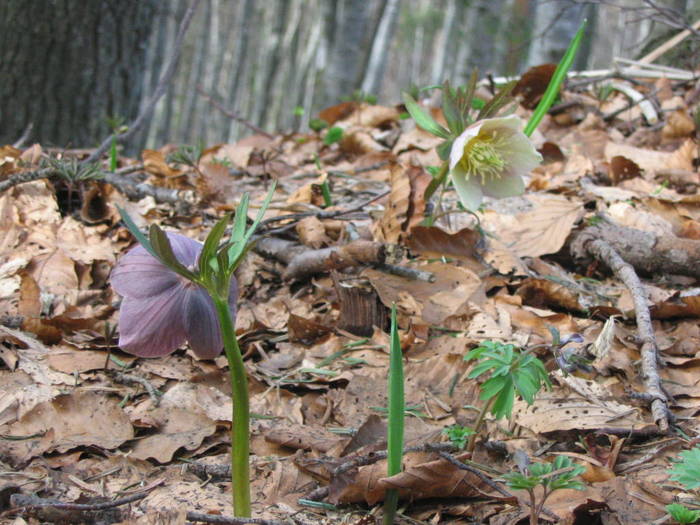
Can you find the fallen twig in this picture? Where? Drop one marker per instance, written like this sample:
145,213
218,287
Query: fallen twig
230,520
62,512
589,240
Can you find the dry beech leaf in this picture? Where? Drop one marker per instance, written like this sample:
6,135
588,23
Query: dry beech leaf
312,232
66,422
545,293
433,242
621,168
655,161
306,331
679,124
154,163
390,227
584,406
533,83
540,231
551,153
337,112
177,428
454,288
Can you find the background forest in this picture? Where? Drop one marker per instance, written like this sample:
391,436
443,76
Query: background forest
72,69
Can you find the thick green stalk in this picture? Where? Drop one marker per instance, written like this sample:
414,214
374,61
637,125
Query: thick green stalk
240,425
395,428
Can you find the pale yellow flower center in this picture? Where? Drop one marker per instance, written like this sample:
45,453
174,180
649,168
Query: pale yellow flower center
482,157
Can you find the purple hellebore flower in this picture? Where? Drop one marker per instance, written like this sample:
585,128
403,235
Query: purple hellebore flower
162,309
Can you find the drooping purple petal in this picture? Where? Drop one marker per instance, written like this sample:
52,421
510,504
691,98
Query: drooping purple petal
153,326
185,249
140,275
201,321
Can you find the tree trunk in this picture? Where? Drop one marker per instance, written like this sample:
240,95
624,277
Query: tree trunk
380,47
69,65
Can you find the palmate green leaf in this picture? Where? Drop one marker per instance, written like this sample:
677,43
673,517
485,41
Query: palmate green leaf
503,406
518,481
493,387
687,471
423,119
682,514
555,83
526,386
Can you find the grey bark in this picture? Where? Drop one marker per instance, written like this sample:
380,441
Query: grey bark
68,65
380,47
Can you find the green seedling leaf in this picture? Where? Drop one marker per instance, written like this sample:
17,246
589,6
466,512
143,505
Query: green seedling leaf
687,471
423,119
333,135
458,435
317,124
555,83
501,99
682,514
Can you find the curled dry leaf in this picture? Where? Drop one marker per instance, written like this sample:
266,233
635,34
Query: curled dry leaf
66,422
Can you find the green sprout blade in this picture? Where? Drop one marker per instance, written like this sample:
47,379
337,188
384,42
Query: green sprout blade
395,429
326,192
161,245
423,119
557,79
113,155
207,259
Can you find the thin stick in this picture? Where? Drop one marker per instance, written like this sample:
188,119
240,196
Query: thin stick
161,89
232,115
29,502
669,44
603,251
229,520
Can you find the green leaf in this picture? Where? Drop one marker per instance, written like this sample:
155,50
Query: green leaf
497,102
555,83
161,245
687,471
423,119
396,401
333,135
140,237
451,110
682,514
503,406
207,258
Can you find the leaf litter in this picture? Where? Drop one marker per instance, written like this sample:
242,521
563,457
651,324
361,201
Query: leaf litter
82,421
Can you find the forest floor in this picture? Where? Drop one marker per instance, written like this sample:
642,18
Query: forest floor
147,440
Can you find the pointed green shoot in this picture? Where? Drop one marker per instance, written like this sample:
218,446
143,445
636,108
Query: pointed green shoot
131,226
395,429
555,84
423,119
240,237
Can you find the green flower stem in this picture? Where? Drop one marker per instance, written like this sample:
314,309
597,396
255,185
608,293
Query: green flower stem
240,425
437,181
479,424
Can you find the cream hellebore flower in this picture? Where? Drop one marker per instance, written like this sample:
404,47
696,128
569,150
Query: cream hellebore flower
489,158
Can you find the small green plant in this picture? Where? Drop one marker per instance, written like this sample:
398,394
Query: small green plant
360,96
553,476
333,135
326,192
222,161
187,155
682,514
317,124
458,435
395,427
299,111
687,471
511,372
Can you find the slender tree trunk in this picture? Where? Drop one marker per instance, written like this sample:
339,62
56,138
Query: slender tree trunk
380,47
67,66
